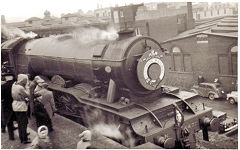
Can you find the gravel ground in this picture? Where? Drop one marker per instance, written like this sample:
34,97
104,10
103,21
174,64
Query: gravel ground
216,141
219,141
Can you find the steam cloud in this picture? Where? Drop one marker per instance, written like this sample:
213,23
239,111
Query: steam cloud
87,35
97,121
10,33
108,130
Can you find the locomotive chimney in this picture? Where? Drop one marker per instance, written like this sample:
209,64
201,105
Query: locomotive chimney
123,19
190,20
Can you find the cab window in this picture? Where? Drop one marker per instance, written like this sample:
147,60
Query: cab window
4,57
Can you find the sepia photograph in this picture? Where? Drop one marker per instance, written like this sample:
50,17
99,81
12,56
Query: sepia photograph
119,74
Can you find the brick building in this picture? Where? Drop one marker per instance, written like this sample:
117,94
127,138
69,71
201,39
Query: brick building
209,50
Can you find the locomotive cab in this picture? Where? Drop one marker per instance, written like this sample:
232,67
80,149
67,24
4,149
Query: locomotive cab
8,56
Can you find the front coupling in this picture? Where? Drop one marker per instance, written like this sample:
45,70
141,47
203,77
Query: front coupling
167,143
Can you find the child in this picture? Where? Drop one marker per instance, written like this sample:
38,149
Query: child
42,141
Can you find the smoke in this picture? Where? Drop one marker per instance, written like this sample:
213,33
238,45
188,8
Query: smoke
107,126
108,130
88,35
12,32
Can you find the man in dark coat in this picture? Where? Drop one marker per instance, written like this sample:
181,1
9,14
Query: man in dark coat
41,115
8,115
32,87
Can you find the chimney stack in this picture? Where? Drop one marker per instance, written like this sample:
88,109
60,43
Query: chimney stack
190,20
3,20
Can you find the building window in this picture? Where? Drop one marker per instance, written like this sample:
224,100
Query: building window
234,60
179,21
115,17
137,31
187,63
121,14
30,22
176,59
176,50
198,16
205,14
228,62
223,64
181,62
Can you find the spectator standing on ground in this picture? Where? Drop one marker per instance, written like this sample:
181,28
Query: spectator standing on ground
32,87
20,107
8,115
46,98
41,115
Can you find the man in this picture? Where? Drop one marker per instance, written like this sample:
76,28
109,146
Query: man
32,87
41,115
20,107
47,100
8,116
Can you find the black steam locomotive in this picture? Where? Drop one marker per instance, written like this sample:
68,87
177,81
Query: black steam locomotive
119,84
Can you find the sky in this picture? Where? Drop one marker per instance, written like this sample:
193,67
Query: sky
20,10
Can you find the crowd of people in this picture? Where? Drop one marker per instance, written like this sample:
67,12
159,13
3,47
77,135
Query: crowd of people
22,99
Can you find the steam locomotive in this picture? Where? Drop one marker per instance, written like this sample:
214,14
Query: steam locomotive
119,83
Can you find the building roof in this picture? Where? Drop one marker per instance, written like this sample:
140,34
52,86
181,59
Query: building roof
226,27
101,9
32,19
71,15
